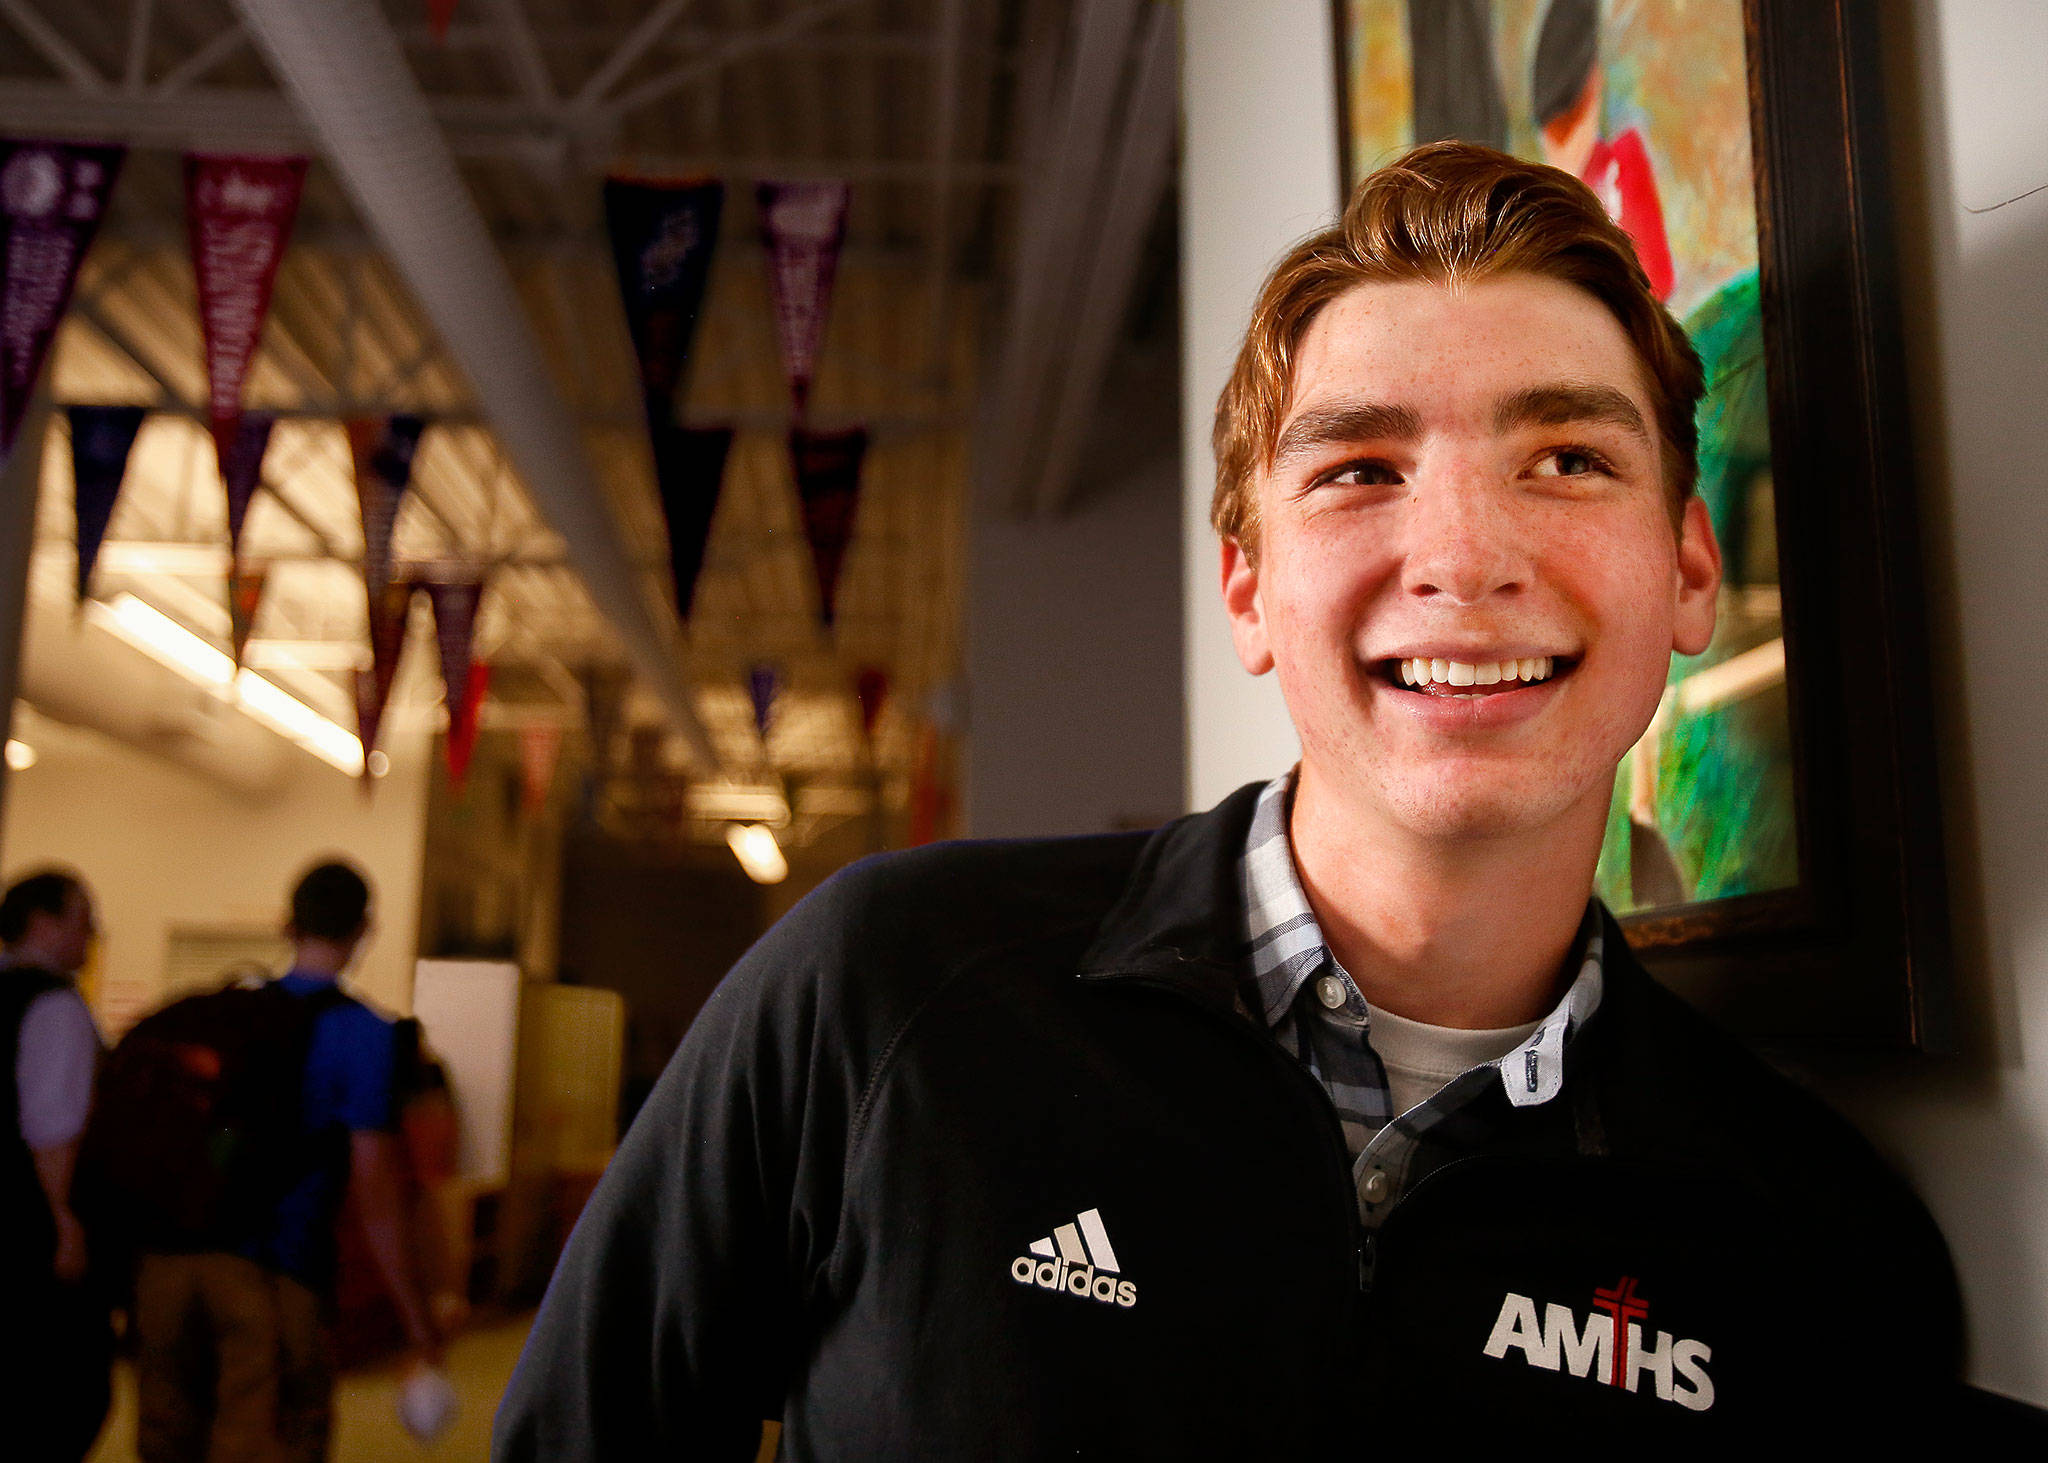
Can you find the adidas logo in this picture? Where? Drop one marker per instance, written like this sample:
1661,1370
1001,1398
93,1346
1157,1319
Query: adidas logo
1078,1259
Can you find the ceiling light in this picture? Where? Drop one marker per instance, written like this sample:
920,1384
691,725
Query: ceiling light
169,643
20,755
754,846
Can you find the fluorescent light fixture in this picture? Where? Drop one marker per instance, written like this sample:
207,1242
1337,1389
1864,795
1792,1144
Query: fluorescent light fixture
20,755
169,643
754,846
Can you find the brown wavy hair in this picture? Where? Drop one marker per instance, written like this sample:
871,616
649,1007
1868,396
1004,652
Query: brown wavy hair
1449,213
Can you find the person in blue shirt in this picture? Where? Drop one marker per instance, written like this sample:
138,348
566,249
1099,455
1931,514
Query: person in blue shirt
235,1353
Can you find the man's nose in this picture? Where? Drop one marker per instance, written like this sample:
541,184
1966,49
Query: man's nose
1463,546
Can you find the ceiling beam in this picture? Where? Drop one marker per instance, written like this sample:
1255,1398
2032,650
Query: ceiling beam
218,48
50,44
739,47
1057,210
945,143
638,42
141,15
1144,164
522,53
346,71
223,119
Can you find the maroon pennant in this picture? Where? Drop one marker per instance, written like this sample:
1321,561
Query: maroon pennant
241,470
383,453
387,615
52,197
827,466
463,720
439,14
454,602
245,596
239,211
871,688
803,226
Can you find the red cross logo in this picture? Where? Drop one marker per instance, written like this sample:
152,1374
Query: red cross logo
1621,1302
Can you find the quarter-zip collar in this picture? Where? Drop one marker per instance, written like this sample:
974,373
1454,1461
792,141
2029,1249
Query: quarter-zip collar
1181,914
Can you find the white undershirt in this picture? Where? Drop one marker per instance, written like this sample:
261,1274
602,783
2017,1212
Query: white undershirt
1420,1059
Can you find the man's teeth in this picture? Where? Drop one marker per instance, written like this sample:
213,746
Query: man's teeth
1422,671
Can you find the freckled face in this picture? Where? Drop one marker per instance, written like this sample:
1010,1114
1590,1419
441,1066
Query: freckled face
1467,576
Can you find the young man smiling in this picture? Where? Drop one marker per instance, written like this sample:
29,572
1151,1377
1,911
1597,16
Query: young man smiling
1337,1118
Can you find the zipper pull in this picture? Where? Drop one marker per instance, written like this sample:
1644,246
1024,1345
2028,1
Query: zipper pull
1365,1263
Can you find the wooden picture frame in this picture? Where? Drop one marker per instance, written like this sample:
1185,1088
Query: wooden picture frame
1857,952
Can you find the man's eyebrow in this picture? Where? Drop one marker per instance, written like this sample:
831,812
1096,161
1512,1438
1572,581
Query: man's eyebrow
1553,406
1350,421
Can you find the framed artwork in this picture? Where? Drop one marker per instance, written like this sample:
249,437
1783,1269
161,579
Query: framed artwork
1774,842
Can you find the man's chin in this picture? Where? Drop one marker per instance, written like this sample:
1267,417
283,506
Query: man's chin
1466,810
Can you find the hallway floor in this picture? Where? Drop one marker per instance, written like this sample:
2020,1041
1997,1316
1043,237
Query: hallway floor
366,1426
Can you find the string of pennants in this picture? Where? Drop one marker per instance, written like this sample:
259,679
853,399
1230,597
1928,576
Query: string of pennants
240,211
662,237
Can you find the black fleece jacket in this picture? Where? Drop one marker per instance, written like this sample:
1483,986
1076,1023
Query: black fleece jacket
866,1199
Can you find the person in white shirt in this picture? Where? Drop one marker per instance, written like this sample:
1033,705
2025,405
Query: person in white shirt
61,1339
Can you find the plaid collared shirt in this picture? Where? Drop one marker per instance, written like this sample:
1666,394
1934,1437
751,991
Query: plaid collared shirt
1291,966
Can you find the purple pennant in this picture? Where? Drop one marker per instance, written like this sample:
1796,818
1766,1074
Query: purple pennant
662,237
383,453
241,471
52,197
803,226
763,681
827,467
689,468
101,437
454,602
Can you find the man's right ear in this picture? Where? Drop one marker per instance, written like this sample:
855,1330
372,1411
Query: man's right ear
1246,610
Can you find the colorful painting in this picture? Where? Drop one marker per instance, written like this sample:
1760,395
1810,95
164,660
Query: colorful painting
1647,102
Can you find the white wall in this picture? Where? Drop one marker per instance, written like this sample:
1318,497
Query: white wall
1258,170
161,847
1971,129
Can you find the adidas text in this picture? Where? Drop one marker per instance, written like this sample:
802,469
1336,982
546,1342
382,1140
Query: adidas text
1076,1258
1074,1279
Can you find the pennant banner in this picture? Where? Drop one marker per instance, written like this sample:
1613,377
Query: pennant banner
383,453
689,468
53,195
454,602
803,226
101,437
827,467
387,612
439,14
239,211
871,687
245,596
540,743
463,719
662,237
241,471
763,681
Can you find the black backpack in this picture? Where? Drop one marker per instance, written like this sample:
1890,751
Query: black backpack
195,1134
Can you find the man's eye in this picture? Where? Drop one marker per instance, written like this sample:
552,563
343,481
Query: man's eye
1568,462
1363,475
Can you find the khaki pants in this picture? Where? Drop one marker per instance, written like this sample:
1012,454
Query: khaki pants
233,1363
